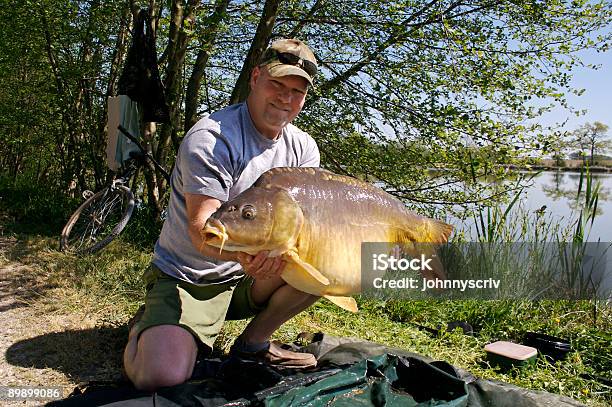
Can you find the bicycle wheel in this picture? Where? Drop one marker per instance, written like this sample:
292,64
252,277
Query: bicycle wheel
98,221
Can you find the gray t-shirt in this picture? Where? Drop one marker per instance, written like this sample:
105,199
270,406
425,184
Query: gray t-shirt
221,156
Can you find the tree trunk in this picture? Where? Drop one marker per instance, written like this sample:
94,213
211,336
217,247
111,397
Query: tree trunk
118,54
176,49
150,174
175,53
195,80
258,46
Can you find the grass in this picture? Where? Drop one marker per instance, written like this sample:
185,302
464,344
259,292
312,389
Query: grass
107,287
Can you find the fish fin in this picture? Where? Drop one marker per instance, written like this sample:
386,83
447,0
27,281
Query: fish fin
307,267
347,303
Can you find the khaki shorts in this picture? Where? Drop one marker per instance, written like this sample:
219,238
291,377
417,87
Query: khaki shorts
199,309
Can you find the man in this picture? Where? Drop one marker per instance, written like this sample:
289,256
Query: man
191,287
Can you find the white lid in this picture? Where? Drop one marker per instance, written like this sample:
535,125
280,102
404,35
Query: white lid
511,350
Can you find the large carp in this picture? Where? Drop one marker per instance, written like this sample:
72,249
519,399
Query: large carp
317,221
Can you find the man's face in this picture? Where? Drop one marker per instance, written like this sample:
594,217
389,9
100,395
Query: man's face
275,102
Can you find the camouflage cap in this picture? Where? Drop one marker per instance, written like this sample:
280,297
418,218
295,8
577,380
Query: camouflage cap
290,57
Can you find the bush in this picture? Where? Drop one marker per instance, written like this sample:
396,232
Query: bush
142,229
36,205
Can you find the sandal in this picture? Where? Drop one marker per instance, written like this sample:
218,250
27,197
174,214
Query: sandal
275,355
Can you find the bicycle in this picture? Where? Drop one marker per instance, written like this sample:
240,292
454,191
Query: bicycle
104,215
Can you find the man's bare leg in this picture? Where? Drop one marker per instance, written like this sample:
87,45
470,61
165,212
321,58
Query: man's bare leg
284,302
165,355
161,356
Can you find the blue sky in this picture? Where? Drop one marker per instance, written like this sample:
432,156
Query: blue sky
597,97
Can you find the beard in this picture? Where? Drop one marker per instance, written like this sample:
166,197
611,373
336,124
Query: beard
276,117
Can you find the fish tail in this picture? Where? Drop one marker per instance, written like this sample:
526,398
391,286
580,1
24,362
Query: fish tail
424,239
438,231
424,231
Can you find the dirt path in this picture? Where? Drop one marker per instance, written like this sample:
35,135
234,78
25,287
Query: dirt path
42,341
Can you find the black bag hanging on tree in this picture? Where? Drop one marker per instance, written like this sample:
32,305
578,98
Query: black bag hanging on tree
140,77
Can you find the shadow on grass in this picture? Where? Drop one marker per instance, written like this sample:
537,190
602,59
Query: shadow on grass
83,355
11,225
20,284
16,246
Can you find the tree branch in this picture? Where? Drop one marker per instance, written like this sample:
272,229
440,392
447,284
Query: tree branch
394,37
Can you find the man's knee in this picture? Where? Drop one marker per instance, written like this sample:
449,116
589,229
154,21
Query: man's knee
151,379
262,290
165,356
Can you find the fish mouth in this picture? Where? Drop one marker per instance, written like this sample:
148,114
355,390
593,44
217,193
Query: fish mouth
215,234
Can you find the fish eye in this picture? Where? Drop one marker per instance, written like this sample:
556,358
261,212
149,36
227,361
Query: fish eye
248,212
232,208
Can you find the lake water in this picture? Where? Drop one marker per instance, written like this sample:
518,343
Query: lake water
557,191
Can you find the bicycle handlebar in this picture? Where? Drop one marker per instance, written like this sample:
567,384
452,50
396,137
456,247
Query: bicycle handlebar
146,153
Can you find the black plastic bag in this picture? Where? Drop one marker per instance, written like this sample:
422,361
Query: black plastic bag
140,78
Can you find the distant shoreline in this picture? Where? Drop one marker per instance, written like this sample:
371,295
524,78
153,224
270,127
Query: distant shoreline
568,166
594,169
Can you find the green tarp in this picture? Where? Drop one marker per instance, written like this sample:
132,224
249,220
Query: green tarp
385,380
351,373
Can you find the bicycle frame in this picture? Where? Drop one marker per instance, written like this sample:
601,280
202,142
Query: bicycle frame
105,214
145,153
130,167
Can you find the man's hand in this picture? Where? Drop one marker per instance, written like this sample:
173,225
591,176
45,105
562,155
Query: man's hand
199,209
261,267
